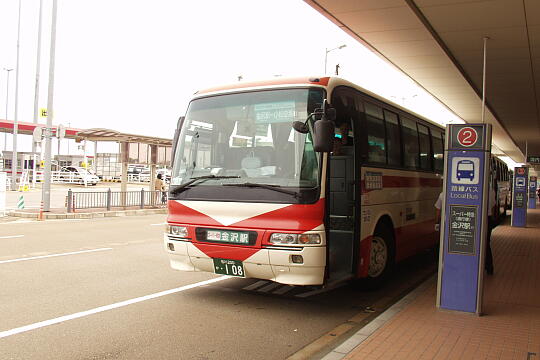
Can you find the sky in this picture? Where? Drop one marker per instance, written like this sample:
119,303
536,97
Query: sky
132,65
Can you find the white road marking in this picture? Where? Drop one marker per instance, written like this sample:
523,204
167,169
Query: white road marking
255,285
11,236
269,287
81,314
164,223
53,255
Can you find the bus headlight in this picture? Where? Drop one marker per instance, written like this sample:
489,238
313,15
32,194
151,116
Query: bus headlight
300,239
177,230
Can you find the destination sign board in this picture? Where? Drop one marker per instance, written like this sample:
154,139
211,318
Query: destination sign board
533,159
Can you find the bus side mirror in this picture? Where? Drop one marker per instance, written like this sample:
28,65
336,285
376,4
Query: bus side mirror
323,137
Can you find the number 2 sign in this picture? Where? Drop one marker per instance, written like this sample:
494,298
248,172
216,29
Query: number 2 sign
467,136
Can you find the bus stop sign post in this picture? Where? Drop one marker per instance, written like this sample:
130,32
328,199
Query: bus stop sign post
532,192
464,217
520,197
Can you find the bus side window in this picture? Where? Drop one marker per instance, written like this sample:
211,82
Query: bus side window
410,143
438,150
393,138
376,136
425,147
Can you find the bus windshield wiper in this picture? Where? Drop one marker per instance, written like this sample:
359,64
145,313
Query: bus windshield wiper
266,186
179,188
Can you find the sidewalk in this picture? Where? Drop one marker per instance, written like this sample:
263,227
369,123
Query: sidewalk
509,329
86,213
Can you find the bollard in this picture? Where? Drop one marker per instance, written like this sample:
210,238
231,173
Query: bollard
40,215
69,201
142,198
109,194
20,203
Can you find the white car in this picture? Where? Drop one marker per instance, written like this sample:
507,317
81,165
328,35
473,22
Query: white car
78,175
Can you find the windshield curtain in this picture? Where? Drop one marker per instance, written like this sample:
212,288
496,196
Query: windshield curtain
248,138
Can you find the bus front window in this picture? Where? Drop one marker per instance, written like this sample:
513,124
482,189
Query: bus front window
241,138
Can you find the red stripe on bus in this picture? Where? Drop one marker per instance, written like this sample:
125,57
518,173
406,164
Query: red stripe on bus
182,214
297,217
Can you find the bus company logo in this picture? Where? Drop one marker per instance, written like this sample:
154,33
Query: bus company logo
467,136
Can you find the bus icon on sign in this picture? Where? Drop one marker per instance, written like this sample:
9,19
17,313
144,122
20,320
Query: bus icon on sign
465,170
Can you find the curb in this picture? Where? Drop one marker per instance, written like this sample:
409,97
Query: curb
92,215
369,329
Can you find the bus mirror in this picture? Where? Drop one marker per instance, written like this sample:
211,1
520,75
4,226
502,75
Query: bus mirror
323,137
301,127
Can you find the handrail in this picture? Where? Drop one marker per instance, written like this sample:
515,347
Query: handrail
109,199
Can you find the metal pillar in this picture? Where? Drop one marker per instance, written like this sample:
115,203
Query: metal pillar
46,194
38,65
16,117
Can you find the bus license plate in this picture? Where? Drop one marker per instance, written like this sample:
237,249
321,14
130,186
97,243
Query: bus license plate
229,267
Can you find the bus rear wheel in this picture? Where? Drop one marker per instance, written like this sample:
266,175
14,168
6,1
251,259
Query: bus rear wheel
381,257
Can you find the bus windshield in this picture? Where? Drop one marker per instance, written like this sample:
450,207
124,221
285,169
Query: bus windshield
247,138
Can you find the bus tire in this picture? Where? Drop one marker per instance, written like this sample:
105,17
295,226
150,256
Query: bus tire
382,257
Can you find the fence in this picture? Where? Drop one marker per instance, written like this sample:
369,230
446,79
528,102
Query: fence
115,199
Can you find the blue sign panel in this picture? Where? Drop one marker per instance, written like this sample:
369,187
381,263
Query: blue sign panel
520,197
532,192
465,217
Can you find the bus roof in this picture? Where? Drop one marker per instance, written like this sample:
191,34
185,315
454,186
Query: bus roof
282,82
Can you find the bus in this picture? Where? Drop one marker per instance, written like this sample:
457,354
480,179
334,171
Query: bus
501,182
301,181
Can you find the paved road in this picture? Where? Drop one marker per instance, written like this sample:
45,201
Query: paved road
103,289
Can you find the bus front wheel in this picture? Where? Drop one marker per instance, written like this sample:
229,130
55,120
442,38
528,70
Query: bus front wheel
381,257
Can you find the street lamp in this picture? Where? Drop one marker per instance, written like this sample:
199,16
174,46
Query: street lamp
16,116
326,55
7,102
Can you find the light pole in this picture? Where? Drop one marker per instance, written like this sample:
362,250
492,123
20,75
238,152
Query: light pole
16,116
46,189
7,102
326,55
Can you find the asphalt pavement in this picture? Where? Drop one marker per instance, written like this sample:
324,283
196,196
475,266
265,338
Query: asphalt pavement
103,289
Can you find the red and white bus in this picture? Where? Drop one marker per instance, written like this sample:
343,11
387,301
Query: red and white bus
262,188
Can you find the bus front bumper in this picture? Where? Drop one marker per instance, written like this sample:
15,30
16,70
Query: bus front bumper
275,264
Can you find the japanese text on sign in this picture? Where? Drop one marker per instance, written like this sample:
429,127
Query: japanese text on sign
462,229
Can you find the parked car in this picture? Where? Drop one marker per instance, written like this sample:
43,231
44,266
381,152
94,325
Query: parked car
78,175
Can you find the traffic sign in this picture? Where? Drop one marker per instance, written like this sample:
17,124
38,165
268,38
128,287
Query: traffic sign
467,136
43,112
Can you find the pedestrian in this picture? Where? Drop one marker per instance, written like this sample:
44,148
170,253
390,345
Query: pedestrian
159,188
488,264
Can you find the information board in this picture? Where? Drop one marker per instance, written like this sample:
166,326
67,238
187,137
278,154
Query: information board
520,196
532,192
464,221
462,229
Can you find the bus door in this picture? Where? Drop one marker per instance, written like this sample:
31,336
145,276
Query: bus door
341,214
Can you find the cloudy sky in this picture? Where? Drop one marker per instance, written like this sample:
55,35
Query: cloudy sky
132,65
